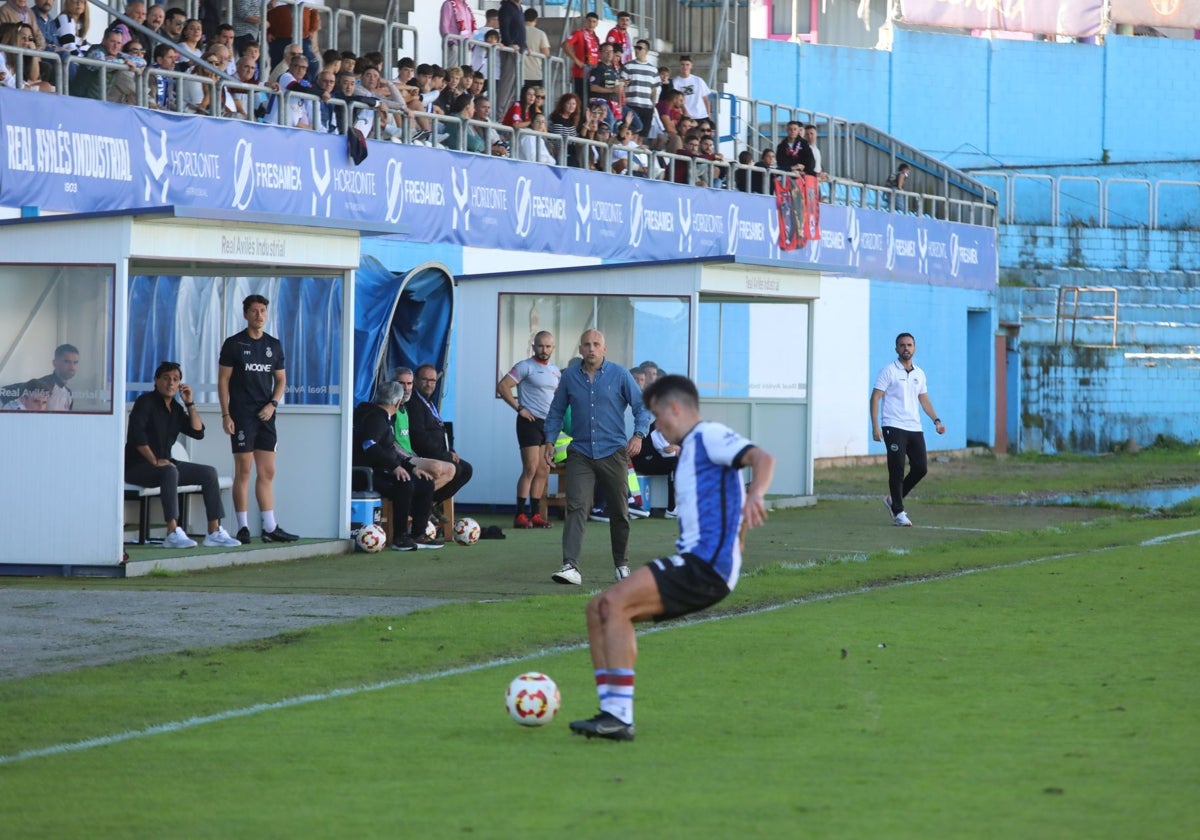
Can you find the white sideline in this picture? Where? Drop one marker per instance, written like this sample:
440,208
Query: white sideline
304,699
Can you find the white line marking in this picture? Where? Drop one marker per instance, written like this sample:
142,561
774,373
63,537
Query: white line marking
305,699
956,528
1167,537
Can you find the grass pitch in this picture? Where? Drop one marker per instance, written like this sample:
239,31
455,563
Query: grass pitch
927,682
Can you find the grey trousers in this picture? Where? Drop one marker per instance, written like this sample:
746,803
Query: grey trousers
582,475
179,473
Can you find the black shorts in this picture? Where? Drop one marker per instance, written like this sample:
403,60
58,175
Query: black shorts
686,584
530,432
250,433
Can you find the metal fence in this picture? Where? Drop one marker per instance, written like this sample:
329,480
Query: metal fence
1090,200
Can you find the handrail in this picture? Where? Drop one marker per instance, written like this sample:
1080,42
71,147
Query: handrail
1105,218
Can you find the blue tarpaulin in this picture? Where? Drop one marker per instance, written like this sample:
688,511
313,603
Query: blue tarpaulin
401,319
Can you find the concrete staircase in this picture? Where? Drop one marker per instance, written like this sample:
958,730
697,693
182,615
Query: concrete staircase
1156,311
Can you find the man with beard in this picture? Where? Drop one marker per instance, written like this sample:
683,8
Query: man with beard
900,389
536,379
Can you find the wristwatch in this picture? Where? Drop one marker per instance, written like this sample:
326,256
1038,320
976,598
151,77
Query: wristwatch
275,403
639,435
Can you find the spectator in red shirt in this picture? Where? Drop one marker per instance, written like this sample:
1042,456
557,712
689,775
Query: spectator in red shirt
583,51
521,113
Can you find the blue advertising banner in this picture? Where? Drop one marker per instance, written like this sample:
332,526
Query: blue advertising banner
78,155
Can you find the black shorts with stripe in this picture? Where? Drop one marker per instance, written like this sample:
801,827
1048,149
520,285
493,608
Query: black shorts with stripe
686,584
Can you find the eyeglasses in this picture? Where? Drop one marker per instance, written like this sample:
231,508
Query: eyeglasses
640,47
131,52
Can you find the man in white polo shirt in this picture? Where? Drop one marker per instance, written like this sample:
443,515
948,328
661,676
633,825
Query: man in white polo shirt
899,390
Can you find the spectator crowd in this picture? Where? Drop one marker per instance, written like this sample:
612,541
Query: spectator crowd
620,112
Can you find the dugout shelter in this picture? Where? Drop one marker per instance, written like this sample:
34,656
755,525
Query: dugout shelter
742,330
130,289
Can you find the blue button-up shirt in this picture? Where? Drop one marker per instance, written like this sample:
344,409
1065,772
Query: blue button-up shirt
598,407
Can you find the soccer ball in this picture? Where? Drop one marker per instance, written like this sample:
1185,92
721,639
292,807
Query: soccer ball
532,699
432,530
370,539
466,531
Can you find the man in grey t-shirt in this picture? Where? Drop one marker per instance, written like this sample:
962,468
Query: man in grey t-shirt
536,380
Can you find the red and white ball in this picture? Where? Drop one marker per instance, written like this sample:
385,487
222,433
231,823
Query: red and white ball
466,531
370,539
532,699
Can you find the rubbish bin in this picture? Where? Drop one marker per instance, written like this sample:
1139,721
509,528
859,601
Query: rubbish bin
366,506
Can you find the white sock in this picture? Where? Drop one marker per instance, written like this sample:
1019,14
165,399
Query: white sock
269,523
243,518
619,700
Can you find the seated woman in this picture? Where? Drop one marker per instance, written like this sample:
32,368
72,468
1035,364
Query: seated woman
71,28
198,96
18,70
532,147
155,423
521,113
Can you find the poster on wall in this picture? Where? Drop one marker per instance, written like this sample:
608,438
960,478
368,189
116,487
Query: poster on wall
1072,18
798,203
1168,13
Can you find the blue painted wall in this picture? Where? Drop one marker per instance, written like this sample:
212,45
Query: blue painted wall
938,319
1132,249
975,102
1092,399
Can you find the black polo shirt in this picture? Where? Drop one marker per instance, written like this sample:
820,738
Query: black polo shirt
154,423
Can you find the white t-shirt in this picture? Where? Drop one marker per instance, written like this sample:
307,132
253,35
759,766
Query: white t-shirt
901,406
536,384
695,95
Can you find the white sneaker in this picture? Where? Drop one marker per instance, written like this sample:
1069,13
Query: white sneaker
638,513
567,574
902,520
220,537
671,514
178,539
621,572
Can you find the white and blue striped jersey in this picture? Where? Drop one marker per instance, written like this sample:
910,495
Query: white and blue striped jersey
709,496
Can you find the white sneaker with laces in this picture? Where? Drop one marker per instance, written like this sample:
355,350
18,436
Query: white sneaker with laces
621,572
638,513
567,574
178,539
671,514
220,537
902,520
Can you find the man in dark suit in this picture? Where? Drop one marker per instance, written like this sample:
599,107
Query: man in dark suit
427,433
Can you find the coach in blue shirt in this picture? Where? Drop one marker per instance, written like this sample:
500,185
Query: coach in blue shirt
597,392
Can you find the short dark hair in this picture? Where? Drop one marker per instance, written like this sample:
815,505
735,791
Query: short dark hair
531,15
684,58
592,15
672,387
167,367
253,299
163,49
65,348
904,335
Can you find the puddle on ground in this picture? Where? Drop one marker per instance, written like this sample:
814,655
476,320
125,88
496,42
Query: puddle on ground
1154,498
